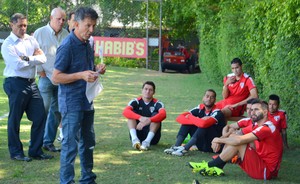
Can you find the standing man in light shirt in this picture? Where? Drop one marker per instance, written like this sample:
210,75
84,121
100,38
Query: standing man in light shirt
21,54
50,37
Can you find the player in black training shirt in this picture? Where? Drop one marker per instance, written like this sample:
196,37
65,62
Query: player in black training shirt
145,115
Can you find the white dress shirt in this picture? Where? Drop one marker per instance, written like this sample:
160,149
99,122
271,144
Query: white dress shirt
13,48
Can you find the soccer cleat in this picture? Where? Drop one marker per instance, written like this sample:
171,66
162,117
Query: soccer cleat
212,171
198,166
218,171
180,151
171,149
136,144
145,146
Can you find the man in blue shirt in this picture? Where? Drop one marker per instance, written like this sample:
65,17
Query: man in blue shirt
73,68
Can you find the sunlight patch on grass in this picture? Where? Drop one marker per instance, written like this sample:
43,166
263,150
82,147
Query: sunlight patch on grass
169,130
134,152
112,159
25,128
114,125
2,173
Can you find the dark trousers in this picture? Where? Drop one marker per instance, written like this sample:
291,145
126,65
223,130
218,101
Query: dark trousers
24,96
204,136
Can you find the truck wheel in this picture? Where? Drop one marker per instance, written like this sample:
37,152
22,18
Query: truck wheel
163,68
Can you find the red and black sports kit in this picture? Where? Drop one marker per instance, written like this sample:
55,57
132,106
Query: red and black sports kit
238,91
203,129
154,109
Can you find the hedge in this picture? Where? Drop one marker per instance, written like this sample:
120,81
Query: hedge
266,36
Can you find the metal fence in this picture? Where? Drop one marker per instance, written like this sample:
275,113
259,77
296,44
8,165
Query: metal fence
117,18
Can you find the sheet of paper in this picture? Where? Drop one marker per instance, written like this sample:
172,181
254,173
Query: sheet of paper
93,89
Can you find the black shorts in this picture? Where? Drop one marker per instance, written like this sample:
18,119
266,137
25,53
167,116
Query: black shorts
142,134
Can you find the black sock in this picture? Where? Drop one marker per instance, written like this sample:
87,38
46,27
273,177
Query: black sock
190,143
218,162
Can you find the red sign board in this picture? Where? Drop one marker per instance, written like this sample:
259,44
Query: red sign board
120,47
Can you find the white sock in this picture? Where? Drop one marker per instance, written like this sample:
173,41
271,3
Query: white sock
60,133
149,137
133,134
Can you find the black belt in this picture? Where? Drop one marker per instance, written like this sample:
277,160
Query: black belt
26,79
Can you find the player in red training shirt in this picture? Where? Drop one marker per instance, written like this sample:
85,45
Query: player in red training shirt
278,117
145,115
238,88
259,148
236,128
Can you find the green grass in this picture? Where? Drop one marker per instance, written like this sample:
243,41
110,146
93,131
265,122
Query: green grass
115,161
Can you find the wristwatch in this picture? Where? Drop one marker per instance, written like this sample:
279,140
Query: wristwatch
25,58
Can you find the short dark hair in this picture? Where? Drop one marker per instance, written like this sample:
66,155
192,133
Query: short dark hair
14,18
263,103
149,83
85,12
275,97
213,91
250,100
237,61
70,14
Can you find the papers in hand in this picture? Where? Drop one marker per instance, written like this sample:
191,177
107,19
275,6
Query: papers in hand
93,89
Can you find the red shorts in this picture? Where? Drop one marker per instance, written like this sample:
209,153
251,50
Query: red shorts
254,166
235,112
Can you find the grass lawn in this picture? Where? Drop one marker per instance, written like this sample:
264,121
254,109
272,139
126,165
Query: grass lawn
115,160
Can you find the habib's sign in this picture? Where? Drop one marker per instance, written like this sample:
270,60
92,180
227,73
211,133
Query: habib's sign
120,47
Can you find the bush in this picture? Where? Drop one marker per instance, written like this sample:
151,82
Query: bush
265,35
123,62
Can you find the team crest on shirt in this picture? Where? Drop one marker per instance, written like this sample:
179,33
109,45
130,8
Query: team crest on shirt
242,85
277,118
152,109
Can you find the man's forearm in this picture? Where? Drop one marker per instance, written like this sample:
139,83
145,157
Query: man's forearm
225,91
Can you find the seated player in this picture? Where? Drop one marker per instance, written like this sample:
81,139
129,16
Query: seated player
145,115
259,148
203,123
238,88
